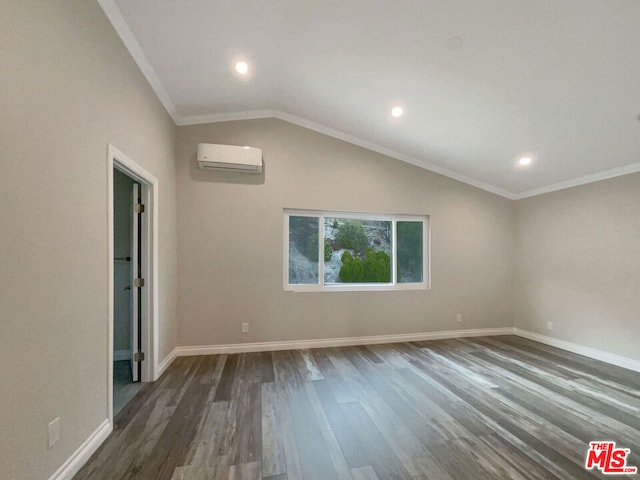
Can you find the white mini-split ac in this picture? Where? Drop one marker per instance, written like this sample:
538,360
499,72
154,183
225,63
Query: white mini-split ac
230,158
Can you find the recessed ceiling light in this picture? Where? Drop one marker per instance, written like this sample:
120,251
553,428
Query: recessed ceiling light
242,68
397,111
524,161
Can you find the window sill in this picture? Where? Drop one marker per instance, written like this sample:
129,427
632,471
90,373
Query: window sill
386,287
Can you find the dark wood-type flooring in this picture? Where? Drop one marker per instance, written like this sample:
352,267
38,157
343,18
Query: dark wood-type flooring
479,408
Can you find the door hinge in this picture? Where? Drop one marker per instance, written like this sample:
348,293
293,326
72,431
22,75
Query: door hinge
138,282
138,208
138,357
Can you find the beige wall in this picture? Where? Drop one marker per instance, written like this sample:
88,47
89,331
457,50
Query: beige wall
231,241
67,88
578,265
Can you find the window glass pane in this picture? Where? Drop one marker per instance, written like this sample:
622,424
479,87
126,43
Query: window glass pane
357,251
303,250
410,255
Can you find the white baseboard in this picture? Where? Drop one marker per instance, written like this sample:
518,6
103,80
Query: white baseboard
594,353
91,444
164,364
603,356
337,342
121,355
76,461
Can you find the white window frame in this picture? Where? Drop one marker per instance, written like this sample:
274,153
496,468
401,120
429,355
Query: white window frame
355,287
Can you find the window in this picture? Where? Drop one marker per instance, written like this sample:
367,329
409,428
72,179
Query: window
355,251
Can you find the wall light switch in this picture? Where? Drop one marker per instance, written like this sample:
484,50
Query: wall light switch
245,328
549,325
459,317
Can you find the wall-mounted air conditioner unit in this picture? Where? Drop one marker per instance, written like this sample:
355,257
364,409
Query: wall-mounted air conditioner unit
230,158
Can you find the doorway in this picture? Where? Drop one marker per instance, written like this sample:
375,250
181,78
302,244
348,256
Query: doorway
133,300
126,296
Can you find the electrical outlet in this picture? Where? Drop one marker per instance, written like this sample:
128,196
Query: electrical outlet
549,325
459,317
54,431
245,328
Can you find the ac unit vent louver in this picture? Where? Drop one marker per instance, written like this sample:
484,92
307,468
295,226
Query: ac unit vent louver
229,158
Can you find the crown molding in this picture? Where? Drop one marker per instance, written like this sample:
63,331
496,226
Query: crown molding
584,180
113,13
225,117
331,132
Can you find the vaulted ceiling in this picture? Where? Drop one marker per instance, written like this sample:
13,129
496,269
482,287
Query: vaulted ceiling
481,82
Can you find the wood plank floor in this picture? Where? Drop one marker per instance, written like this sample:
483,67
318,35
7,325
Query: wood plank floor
480,408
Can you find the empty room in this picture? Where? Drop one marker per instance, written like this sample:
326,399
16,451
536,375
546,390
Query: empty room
300,240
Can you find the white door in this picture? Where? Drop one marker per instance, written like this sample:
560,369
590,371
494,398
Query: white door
135,288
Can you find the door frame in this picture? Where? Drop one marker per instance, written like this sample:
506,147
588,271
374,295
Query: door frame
149,256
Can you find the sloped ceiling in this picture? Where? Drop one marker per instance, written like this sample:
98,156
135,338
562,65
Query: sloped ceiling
481,82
